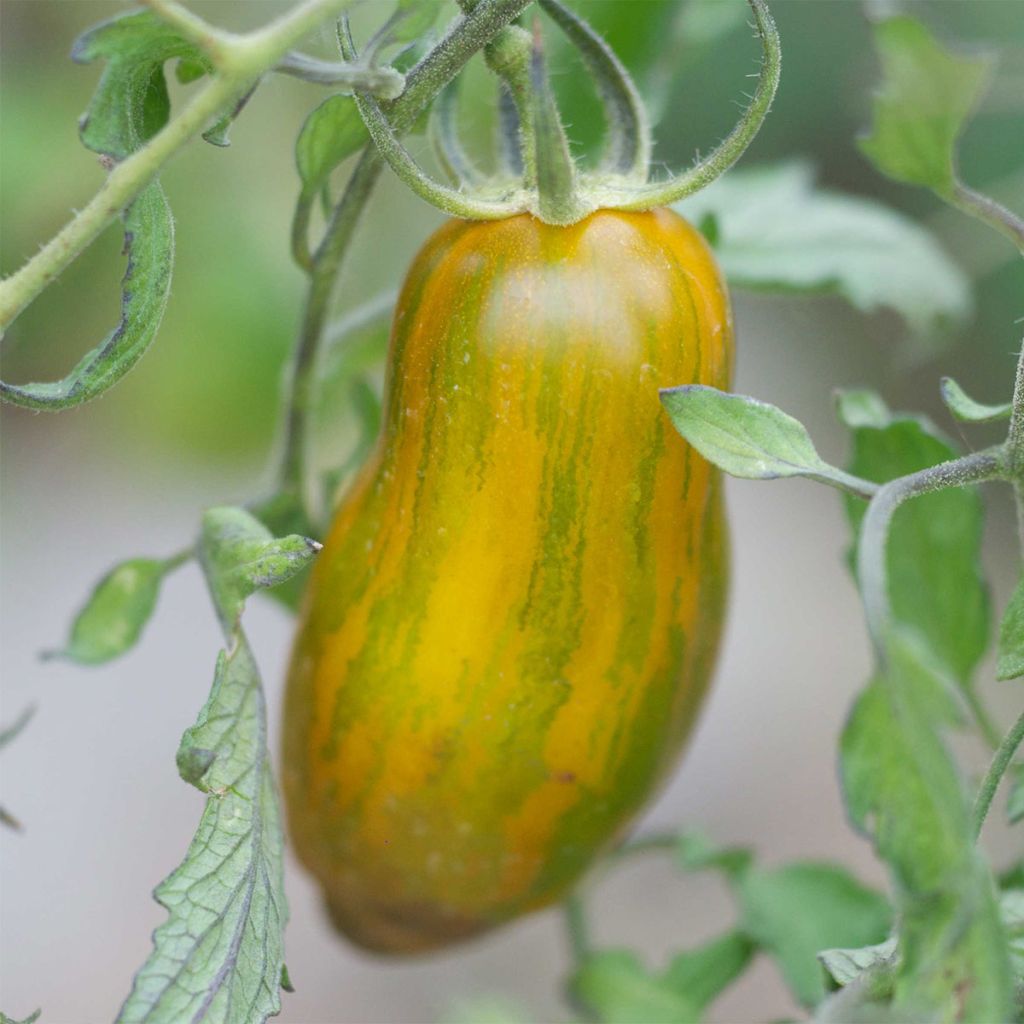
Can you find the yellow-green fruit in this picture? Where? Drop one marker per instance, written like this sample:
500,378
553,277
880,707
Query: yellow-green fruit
510,629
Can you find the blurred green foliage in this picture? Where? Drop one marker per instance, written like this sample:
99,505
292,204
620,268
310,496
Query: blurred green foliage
208,392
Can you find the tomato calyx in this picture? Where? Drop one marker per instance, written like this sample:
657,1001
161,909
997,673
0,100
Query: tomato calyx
537,173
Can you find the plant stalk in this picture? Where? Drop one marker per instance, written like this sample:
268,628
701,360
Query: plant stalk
872,570
468,35
243,59
996,771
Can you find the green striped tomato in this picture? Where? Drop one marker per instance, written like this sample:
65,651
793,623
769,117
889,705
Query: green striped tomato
510,629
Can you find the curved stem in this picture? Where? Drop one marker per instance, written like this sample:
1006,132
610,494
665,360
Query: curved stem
423,82
872,569
444,136
558,200
243,59
1015,444
987,210
397,157
628,150
385,82
730,149
996,771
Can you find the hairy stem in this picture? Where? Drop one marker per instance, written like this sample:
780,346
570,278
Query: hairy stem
872,568
468,35
241,60
996,771
1015,444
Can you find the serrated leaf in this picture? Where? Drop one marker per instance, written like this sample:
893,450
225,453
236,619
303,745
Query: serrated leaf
746,437
113,618
936,584
241,555
966,409
30,1019
903,789
218,957
847,965
1010,656
131,103
1015,800
776,231
927,94
795,911
149,245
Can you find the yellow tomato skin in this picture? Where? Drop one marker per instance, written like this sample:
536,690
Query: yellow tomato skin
510,629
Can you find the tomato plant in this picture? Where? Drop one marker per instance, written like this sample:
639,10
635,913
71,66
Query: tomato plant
504,639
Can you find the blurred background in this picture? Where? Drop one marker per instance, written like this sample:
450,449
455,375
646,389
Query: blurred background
93,778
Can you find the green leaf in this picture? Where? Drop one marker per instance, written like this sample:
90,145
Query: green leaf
847,965
696,852
936,584
149,245
1015,801
414,19
1010,656
705,972
131,103
329,136
113,618
620,990
775,231
904,790
1011,910
241,555
218,957
966,409
746,437
926,97
797,910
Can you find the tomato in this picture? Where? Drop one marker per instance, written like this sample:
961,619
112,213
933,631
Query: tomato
510,629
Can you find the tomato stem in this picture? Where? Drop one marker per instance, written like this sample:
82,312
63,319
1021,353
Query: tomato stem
423,83
558,200
872,566
663,193
997,769
628,148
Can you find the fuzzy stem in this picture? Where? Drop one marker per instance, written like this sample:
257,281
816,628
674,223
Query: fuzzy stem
662,193
1015,444
449,200
628,150
423,83
558,200
996,771
385,82
242,59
